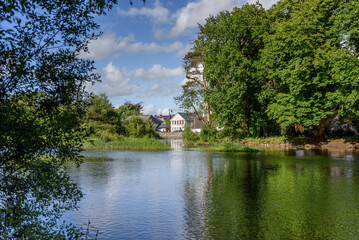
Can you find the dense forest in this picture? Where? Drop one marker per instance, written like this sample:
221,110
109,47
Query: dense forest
290,70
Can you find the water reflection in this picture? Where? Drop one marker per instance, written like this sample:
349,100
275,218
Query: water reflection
294,194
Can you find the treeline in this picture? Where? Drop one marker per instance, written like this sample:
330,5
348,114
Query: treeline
288,70
106,123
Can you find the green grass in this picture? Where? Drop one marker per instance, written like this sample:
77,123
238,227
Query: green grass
228,147
126,144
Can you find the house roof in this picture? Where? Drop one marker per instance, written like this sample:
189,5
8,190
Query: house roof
164,125
186,116
164,117
197,123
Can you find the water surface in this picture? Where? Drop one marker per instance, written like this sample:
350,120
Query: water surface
180,194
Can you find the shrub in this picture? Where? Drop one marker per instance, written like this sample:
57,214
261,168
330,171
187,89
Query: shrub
137,128
209,134
189,136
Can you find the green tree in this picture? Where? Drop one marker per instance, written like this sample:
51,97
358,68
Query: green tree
137,128
311,55
233,41
128,109
41,106
100,109
101,118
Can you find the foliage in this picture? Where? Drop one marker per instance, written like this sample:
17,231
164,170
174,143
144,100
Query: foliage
311,56
188,136
127,144
100,109
41,105
209,134
101,118
233,41
137,128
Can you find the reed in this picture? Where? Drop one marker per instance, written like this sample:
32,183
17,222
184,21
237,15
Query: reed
126,144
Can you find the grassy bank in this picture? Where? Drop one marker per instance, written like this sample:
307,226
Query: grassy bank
302,142
126,144
227,147
221,147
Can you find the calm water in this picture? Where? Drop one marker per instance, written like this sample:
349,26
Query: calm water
197,195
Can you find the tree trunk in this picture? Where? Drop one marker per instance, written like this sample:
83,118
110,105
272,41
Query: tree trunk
261,131
319,130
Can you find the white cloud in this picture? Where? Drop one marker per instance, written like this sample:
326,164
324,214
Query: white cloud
161,89
108,45
119,82
184,50
157,72
154,90
116,82
151,109
159,14
266,3
196,12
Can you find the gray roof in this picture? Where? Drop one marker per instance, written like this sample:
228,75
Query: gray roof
164,125
186,116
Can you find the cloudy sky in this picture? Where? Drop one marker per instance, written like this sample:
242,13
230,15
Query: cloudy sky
140,52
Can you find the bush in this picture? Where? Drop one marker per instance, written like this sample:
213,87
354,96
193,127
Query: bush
209,134
189,136
137,128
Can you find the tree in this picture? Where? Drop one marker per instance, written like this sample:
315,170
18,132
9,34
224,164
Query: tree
137,128
41,108
100,109
194,90
311,55
101,118
233,41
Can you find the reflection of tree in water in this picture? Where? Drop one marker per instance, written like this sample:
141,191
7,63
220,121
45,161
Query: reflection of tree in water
259,196
226,202
234,208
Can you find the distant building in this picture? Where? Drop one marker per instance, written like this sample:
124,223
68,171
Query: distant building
197,125
164,127
180,120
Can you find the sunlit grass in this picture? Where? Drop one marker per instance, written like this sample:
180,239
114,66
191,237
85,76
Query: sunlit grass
126,144
228,147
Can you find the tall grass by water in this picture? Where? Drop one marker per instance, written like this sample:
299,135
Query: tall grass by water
126,144
228,147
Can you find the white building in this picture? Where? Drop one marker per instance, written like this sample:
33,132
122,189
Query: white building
180,120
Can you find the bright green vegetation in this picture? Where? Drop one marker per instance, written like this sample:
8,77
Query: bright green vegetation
118,129
227,147
106,123
286,71
212,140
127,144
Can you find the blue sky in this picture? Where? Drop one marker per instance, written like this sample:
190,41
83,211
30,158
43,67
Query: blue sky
139,55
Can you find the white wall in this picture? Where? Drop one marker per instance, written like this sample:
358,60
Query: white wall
179,124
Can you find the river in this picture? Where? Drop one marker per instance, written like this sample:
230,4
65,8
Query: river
190,194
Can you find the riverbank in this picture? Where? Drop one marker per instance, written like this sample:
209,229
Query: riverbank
302,143
136,144
227,147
